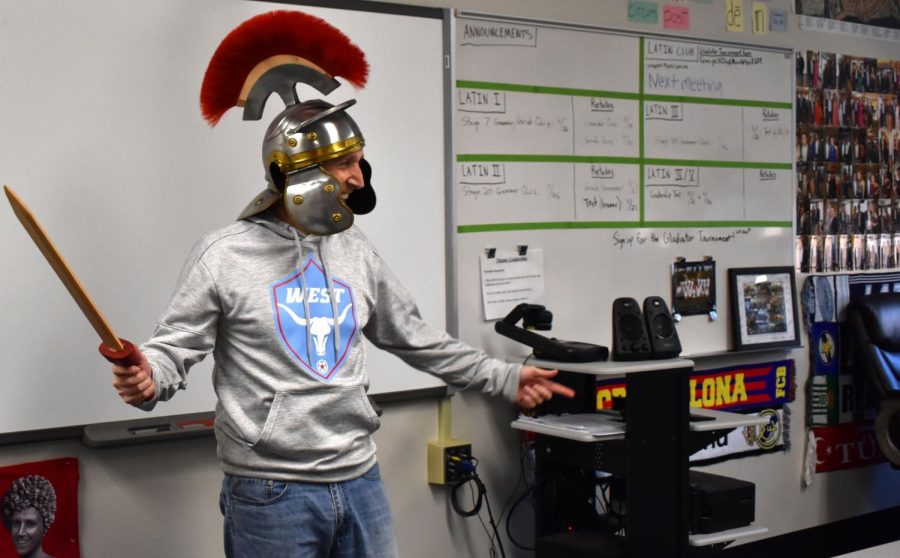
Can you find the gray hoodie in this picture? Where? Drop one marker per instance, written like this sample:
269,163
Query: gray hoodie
283,316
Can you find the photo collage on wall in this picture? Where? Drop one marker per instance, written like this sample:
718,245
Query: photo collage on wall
848,162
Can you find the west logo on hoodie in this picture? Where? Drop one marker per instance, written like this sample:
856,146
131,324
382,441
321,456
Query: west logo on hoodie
311,339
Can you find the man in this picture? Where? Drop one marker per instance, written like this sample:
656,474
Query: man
833,219
813,152
29,509
280,298
803,148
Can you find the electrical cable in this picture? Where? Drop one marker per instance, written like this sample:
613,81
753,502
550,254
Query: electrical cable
509,534
615,519
493,523
526,479
493,549
530,486
480,497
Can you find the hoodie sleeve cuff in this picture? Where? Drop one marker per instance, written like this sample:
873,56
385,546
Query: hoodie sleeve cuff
511,383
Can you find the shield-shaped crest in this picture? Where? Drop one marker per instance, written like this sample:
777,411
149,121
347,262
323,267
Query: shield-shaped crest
311,339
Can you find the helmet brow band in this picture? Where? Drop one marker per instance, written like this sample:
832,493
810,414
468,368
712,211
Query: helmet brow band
324,153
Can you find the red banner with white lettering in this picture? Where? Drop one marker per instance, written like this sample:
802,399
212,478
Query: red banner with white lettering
845,446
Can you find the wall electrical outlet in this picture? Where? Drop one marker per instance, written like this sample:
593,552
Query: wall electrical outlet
445,460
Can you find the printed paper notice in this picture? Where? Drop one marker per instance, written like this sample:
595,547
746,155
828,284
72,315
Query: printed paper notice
509,279
778,20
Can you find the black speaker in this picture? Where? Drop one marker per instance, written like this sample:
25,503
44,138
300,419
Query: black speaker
630,340
661,328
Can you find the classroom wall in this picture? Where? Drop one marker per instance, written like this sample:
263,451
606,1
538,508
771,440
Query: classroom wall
781,503
161,499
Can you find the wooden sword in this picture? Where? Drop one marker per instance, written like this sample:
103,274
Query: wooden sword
112,348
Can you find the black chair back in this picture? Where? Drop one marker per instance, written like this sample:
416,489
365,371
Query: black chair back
873,330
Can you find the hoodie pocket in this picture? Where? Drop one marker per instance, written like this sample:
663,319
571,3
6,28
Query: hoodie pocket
317,425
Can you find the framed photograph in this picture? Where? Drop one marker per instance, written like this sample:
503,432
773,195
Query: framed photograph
763,308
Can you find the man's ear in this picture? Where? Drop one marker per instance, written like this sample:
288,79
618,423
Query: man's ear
363,200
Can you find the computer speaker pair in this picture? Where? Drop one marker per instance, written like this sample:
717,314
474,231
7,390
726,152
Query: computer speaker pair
643,335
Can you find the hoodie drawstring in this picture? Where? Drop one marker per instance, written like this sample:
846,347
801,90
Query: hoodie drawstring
304,291
329,283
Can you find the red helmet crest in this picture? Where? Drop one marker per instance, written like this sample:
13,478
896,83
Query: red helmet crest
272,52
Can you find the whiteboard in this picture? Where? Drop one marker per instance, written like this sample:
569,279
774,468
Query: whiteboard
616,153
101,135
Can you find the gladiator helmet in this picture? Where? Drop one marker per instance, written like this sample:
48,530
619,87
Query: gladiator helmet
272,53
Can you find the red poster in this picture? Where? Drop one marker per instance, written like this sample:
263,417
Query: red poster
39,503
845,446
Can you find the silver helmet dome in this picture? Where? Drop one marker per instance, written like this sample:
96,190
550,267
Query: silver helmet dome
297,141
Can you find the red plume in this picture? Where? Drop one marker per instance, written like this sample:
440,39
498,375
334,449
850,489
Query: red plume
270,34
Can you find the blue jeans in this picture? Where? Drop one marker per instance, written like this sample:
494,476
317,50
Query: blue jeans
282,519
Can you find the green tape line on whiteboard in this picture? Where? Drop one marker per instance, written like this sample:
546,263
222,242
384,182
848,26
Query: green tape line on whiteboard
520,88
716,101
516,158
462,229
717,164
545,90
641,139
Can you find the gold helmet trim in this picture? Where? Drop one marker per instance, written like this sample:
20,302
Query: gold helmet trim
289,163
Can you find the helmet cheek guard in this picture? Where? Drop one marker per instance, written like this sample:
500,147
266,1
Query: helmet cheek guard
312,200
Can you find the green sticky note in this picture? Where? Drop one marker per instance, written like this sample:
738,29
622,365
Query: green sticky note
643,12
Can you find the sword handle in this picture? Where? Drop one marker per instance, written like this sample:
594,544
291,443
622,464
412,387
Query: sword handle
128,356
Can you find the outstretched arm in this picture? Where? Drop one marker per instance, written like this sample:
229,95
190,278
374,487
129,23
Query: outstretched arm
536,386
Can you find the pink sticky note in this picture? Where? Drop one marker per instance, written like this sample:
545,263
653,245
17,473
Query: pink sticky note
676,17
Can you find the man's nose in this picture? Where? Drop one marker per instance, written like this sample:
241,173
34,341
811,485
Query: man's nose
356,180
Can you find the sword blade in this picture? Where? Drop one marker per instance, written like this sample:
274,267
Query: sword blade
63,271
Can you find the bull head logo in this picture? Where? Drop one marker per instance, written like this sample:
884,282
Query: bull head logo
319,327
